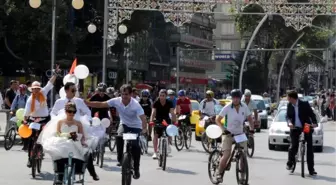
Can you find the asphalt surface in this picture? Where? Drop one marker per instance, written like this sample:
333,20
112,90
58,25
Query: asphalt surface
186,167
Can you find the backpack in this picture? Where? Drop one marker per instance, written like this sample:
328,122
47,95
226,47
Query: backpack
204,104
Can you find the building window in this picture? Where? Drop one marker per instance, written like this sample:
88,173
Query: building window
228,29
226,46
225,8
154,74
243,44
223,67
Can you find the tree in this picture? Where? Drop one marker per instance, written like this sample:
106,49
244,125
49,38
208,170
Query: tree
280,36
27,31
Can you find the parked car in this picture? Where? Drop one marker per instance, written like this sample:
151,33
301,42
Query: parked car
268,104
262,112
195,114
278,134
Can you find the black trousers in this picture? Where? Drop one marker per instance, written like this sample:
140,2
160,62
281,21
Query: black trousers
60,164
136,150
294,146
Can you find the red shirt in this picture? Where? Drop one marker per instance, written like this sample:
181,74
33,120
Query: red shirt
184,106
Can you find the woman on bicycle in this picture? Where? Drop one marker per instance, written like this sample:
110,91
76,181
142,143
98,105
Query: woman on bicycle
36,108
160,112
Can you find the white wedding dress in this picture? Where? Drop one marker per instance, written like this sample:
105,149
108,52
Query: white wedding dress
59,147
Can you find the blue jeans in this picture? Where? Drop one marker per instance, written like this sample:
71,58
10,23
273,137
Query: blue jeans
136,150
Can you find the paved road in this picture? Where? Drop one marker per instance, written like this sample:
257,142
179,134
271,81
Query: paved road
187,167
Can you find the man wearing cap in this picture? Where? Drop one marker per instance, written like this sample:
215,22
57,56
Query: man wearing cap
37,108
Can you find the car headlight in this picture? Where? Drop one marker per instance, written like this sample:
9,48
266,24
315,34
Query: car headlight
318,132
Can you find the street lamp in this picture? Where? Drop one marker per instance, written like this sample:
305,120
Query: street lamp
92,28
34,3
122,29
76,4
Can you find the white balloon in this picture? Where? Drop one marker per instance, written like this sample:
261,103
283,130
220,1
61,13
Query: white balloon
213,131
172,130
35,3
105,122
62,93
122,29
96,121
77,4
70,78
81,71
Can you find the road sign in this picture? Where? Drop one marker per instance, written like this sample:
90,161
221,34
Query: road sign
222,56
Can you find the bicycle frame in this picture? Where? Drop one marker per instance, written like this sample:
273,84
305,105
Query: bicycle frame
69,172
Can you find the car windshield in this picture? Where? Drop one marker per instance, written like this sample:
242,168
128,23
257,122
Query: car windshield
281,116
194,105
266,102
218,108
260,104
308,98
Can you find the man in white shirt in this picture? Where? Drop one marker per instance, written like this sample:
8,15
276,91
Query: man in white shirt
37,108
235,114
70,91
132,119
207,106
251,105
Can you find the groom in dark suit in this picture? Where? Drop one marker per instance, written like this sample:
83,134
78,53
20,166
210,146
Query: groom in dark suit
298,114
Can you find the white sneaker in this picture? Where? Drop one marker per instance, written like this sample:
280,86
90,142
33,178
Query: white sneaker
168,149
154,156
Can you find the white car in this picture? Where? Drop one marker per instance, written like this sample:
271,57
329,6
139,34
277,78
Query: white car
279,131
262,111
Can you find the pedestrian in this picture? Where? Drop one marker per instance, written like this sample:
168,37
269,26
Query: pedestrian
299,113
10,94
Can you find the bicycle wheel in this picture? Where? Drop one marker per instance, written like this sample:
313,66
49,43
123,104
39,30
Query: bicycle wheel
164,154
242,171
213,164
302,153
10,138
33,166
205,143
187,137
112,142
126,174
250,146
179,143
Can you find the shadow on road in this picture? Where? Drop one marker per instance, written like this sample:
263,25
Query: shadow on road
175,170
109,159
328,149
325,178
195,150
112,168
45,176
268,158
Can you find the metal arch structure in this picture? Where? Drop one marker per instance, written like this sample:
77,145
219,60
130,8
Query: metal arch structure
178,12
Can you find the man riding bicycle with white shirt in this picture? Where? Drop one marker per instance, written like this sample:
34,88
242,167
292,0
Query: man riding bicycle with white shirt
251,105
207,106
235,115
132,119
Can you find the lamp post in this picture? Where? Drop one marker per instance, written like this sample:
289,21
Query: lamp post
76,4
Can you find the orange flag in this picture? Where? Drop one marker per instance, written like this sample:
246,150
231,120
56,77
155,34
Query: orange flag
73,66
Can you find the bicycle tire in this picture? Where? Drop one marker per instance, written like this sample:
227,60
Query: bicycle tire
112,142
9,141
126,171
242,157
250,144
39,159
164,154
213,164
33,166
179,146
302,152
187,137
205,143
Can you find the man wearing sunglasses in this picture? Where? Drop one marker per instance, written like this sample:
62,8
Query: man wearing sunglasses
132,119
70,91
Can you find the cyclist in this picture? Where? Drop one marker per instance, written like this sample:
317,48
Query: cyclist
20,102
235,114
251,105
183,105
132,119
135,94
147,104
37,108
207,106
101,96
161,110
171,97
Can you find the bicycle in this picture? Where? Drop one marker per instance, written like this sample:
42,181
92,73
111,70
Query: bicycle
184,134
143,142
112,136
127,166
238,155
302,150
163,146
36,155
99,152
10,136
208,144
250,142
